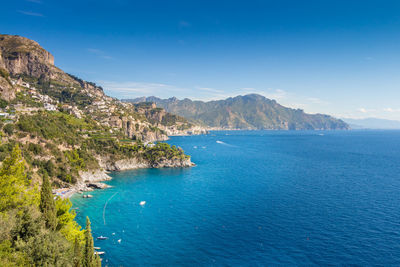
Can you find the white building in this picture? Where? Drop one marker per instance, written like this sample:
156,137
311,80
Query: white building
50,107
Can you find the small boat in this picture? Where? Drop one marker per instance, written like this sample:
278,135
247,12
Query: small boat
97,248
99,253
102,237
119,240
142,203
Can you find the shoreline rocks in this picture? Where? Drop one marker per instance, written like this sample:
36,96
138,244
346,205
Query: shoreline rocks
92,180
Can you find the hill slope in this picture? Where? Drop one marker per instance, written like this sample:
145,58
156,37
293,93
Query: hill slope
68,128
246,112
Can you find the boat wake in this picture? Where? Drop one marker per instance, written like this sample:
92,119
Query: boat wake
105,206
225,144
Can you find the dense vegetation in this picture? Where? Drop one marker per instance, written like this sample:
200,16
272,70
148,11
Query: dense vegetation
61,145
35,229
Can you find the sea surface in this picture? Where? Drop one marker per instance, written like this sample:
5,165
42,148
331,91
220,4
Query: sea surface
257,198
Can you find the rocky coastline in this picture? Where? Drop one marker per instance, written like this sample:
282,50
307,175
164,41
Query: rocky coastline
92,179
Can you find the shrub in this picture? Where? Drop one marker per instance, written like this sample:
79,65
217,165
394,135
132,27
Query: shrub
9,129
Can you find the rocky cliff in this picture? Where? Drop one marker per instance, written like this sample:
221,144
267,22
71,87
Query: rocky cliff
20,55
137,163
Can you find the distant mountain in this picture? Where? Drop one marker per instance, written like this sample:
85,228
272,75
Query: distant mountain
372,123
245,112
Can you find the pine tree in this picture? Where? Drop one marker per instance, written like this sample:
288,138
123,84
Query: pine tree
89,259
13,182
47,204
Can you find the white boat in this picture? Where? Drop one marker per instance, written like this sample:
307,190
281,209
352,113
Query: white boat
99,253
102,237
142,203
119,240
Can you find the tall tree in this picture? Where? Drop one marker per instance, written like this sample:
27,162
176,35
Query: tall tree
89,259
77,253
47,204
14,190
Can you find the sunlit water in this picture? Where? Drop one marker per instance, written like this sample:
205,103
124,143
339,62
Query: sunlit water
257,198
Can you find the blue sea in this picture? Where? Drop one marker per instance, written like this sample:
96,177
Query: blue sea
257,198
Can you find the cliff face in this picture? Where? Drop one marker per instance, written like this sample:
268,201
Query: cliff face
7,91
20,55
171,124
136,163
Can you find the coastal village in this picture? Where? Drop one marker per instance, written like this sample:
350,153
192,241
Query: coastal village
136,121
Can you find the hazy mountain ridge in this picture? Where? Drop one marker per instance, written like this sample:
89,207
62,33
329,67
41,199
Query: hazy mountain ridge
372,123
245,112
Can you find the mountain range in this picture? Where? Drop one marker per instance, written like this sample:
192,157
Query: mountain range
251,111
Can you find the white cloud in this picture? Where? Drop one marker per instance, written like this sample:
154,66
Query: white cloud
363,110
99,53
207,89
29,13
318,101
138,89
391,110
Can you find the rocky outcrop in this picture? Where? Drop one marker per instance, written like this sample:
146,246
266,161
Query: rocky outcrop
137,129
135,163
94,176
7,91
20,55
173,163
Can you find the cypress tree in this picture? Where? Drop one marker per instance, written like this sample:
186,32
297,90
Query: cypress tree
47,204
89,259
77,253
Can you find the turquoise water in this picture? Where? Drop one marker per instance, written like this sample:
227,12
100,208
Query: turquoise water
257,198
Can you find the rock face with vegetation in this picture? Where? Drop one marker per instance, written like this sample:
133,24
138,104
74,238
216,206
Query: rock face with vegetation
68,128
29,77
245,112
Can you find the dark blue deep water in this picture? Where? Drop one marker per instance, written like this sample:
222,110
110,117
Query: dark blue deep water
257,198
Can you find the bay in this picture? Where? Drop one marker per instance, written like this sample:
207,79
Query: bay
257,198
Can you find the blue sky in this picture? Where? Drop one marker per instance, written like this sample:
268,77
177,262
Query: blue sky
328,56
